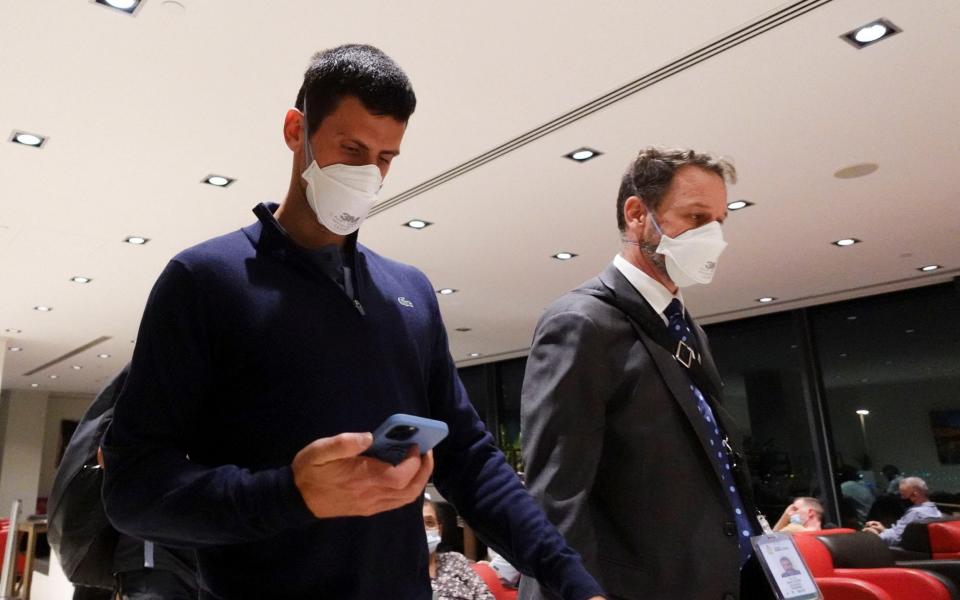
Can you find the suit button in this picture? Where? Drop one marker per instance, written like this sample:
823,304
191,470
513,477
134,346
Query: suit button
729,529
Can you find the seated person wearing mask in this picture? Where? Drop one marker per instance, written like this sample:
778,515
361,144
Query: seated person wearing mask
915,491
804,514
450,574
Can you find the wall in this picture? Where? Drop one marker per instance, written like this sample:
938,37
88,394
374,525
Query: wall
59,407
23,449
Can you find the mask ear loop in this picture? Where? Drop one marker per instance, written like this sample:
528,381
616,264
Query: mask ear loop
653,220
307,150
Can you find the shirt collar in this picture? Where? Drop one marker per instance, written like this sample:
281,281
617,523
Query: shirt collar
656,295
275,237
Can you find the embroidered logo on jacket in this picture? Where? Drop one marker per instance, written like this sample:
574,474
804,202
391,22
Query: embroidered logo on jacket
404,302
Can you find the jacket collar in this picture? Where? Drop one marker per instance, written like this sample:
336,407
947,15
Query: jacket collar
271,238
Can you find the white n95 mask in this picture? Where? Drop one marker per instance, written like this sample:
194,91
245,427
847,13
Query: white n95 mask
692,256
340,195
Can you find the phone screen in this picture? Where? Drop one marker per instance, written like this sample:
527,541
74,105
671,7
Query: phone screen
784,567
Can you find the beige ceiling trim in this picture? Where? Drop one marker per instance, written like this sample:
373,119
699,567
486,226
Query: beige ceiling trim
73,352
757,27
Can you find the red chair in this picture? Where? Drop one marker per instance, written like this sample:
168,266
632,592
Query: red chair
895,583
490,577
944,539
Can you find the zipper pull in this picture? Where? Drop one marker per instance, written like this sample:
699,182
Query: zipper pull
359,306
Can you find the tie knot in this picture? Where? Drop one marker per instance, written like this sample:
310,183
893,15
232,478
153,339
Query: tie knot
674,310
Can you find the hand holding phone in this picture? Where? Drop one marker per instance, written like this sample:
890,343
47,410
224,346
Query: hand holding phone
393,439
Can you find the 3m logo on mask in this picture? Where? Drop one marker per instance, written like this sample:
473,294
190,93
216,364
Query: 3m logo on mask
348,218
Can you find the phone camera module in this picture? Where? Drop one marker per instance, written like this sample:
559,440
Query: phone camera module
401,433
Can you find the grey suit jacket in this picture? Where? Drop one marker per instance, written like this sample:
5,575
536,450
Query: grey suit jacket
612,452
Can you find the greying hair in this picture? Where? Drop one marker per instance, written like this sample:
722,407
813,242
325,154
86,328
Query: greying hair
649,176
916,483
811,503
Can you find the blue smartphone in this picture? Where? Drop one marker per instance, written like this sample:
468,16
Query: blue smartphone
393,438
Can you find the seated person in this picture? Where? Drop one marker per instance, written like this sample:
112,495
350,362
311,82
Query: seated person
915,491
450,574
804,514
856,491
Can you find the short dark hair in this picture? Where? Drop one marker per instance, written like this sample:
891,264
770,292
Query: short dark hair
649,176
355,70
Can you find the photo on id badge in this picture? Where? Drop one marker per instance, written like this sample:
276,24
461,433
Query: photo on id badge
785,570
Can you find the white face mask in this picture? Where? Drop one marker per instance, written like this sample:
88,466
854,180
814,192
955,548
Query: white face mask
433,539
692,256
340,195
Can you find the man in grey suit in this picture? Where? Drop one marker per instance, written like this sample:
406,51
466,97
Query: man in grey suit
625,440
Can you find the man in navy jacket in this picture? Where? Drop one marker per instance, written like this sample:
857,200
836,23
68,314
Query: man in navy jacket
265,354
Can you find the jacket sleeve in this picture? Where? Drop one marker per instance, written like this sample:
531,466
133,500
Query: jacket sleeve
152,490
563,415
473,474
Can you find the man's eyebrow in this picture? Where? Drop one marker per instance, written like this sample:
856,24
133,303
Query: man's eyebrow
392,152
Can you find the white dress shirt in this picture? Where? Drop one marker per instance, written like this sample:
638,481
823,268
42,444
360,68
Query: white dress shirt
657,296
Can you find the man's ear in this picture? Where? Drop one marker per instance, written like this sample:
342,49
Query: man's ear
293,129
634,212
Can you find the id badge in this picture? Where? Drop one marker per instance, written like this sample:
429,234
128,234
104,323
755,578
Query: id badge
787,573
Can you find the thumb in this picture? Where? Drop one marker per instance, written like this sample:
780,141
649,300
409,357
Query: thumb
345,445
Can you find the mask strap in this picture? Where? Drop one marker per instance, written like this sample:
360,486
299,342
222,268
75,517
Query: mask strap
307,150
653,220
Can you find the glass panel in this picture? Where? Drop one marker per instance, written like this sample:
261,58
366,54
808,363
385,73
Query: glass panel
897,357
760,361
511,383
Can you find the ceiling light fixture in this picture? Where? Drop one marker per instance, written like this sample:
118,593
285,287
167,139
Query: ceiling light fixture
125,6
27,139
103,356
16,349
218,180
846,242
582,154
136,240
564,255
463,329
863,412
858,170
34,385
42,308
54,376
446,291
12,330
766,299
80,279
929,268
738,204
870,34
417,224
475,354
76,367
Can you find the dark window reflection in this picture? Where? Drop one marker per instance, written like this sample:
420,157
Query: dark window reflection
511,383
761,364
896,359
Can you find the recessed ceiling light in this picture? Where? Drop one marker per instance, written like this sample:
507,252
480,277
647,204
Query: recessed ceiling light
34,385
863,412
16,349
766,299
76,367
136,240
218,180
582,154
12,330
846,242
475,354
42,308
564,255
854,171
80,279
126,6
738,204
446,291
54,376
929,268
418,224
103,356
463,329
27,139
871,33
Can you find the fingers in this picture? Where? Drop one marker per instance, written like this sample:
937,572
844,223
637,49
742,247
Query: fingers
345,445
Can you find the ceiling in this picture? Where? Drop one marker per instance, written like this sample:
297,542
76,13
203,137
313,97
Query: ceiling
139,109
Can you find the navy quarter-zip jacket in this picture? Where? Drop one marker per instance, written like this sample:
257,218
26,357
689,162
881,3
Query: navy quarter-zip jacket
247,352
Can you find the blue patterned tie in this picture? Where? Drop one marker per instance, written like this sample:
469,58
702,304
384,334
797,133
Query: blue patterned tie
680,331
